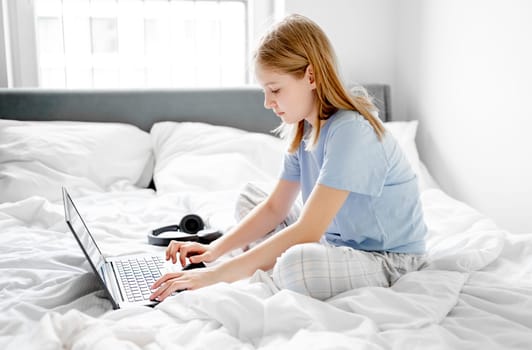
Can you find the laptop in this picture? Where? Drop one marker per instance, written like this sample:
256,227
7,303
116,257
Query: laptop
126,280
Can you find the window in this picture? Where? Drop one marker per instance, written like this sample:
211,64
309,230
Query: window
132,43
135,43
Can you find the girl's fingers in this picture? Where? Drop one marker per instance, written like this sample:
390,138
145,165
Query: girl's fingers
166,285
157,295
184,249
183,256
178,281
172,249
172,287
165,278
178,247
198,258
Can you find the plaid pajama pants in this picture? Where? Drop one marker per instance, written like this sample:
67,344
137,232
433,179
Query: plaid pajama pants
322,271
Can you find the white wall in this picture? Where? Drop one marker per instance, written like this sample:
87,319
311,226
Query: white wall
364,46
464,69
461,67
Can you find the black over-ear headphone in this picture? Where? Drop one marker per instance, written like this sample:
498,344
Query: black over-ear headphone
193,227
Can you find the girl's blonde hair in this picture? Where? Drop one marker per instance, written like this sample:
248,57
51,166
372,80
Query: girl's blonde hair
289,48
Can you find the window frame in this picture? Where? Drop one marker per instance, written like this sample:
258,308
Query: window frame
19,41
19,63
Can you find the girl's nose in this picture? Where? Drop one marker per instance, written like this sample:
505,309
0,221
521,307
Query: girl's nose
268,103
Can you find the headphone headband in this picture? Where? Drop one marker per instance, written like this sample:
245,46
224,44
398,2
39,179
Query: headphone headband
193,227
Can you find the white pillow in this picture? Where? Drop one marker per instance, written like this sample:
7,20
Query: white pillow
37,158
199,156
204,157
405,134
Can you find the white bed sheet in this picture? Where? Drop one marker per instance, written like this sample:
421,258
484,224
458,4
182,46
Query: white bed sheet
475,293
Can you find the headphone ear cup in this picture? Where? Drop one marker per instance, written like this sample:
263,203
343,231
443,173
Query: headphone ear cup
191,223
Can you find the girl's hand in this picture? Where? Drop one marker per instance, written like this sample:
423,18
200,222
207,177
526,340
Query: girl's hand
178,281
196,252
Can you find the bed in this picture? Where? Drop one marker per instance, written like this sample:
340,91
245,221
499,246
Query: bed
140,159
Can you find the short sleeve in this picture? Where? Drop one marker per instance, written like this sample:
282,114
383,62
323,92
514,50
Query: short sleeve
354,158
291,168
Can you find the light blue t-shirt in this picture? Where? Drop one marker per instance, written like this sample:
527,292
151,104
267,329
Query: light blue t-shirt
383,211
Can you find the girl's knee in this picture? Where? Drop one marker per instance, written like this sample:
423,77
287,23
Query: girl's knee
301,269
321,271
291,261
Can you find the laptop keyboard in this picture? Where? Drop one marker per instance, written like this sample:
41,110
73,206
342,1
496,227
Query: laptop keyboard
138,275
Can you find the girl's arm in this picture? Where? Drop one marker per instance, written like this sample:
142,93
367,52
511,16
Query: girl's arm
318,212
261,220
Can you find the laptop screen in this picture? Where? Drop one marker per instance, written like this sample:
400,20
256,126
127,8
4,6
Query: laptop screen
82,234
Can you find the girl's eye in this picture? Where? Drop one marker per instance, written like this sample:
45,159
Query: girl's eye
275,91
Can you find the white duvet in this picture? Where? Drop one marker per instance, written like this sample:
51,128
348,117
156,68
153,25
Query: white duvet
475,292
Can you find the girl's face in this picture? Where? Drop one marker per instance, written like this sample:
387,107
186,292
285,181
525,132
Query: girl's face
291,99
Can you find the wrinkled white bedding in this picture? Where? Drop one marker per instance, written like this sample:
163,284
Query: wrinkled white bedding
476,292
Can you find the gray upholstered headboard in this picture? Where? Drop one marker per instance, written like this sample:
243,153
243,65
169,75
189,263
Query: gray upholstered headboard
237,107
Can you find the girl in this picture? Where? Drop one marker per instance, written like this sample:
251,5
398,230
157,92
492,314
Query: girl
361,224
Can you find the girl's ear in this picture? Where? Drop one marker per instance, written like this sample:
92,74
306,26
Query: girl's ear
309,75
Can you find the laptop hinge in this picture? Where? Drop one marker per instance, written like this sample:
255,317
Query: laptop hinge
111,283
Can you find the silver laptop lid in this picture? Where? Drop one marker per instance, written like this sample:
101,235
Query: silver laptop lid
86,241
